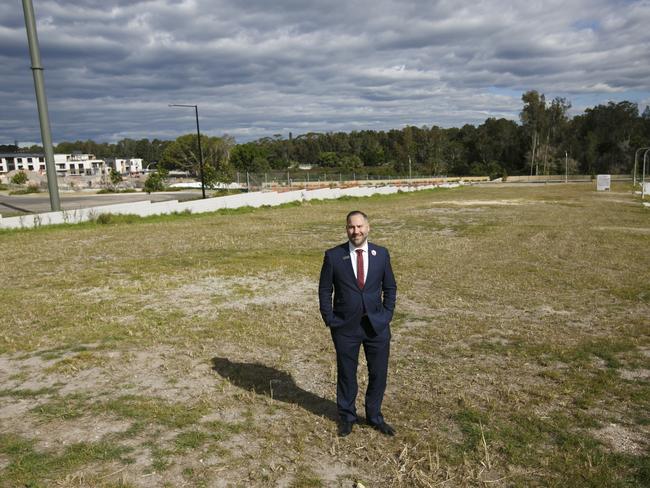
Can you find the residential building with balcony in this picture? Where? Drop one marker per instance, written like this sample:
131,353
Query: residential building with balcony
125,166
21,162
69,164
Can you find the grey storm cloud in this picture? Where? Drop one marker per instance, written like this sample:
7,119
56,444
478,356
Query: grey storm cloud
258,68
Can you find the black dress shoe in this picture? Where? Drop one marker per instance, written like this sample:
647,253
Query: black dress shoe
345,428
384,428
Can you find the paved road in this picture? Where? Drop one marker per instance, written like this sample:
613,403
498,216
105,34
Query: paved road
37,203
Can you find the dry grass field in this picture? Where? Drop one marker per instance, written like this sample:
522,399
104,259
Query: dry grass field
188,350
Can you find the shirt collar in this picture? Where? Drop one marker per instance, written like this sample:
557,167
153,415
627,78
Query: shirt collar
353,248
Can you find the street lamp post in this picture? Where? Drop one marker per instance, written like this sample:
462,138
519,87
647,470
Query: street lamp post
198,137
41,101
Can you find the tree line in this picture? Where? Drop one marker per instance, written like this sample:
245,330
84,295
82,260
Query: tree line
546,140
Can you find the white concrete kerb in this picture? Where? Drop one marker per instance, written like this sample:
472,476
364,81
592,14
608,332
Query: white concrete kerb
253,199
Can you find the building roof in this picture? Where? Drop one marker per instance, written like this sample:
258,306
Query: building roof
22,155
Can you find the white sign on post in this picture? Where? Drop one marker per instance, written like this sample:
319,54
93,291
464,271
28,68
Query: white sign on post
603,182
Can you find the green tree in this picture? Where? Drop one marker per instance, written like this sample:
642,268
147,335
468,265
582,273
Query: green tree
251,157
126,148
350,162
275,153
115,177
306,148
606,137
555,133
183,154
156,181
534,120
33,149
500,141
328,159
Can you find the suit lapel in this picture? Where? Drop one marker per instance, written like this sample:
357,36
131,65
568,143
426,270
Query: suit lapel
347,262
373,263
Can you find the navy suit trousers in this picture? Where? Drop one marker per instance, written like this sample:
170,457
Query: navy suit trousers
347,342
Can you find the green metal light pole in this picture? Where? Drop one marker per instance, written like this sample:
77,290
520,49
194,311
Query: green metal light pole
198,136
41,100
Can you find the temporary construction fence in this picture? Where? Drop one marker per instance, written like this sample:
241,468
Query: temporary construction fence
251,199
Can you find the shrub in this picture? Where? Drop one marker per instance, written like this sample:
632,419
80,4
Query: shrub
115,177
155,182
19,178
104,218
117,190
32,188
111,218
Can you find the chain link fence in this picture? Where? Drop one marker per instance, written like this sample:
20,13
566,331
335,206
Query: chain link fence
313,179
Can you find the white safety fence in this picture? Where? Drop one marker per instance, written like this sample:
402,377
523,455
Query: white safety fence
253,199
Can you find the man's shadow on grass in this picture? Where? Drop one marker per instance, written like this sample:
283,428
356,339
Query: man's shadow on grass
273,383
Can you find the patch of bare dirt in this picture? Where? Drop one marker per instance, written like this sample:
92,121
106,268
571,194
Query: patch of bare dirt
548,310
622,439
631,230
95,294
37,373
423,310
635,374
206,296
480,203
175,375
12,409
54,435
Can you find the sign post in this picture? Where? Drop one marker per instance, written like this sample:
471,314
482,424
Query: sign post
603,182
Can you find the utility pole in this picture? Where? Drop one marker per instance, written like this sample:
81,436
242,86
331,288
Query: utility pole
198,138
41,101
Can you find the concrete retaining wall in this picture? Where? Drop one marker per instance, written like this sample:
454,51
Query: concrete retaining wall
253,199
72,216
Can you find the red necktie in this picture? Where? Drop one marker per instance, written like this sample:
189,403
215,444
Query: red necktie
360,277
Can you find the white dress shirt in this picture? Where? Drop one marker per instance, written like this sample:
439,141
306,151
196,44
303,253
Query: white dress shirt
353,258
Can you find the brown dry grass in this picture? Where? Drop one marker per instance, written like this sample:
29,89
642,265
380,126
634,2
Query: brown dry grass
188,351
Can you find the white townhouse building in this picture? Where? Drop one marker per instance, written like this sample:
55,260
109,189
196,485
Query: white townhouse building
79,164
21,162
125,166
68,164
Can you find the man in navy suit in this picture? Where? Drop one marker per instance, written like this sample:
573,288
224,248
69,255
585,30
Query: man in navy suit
360,276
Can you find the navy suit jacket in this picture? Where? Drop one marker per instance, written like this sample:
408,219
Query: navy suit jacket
377,297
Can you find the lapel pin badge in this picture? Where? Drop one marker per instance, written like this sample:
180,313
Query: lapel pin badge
346,257
373,252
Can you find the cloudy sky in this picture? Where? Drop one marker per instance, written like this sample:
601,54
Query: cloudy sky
258,68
